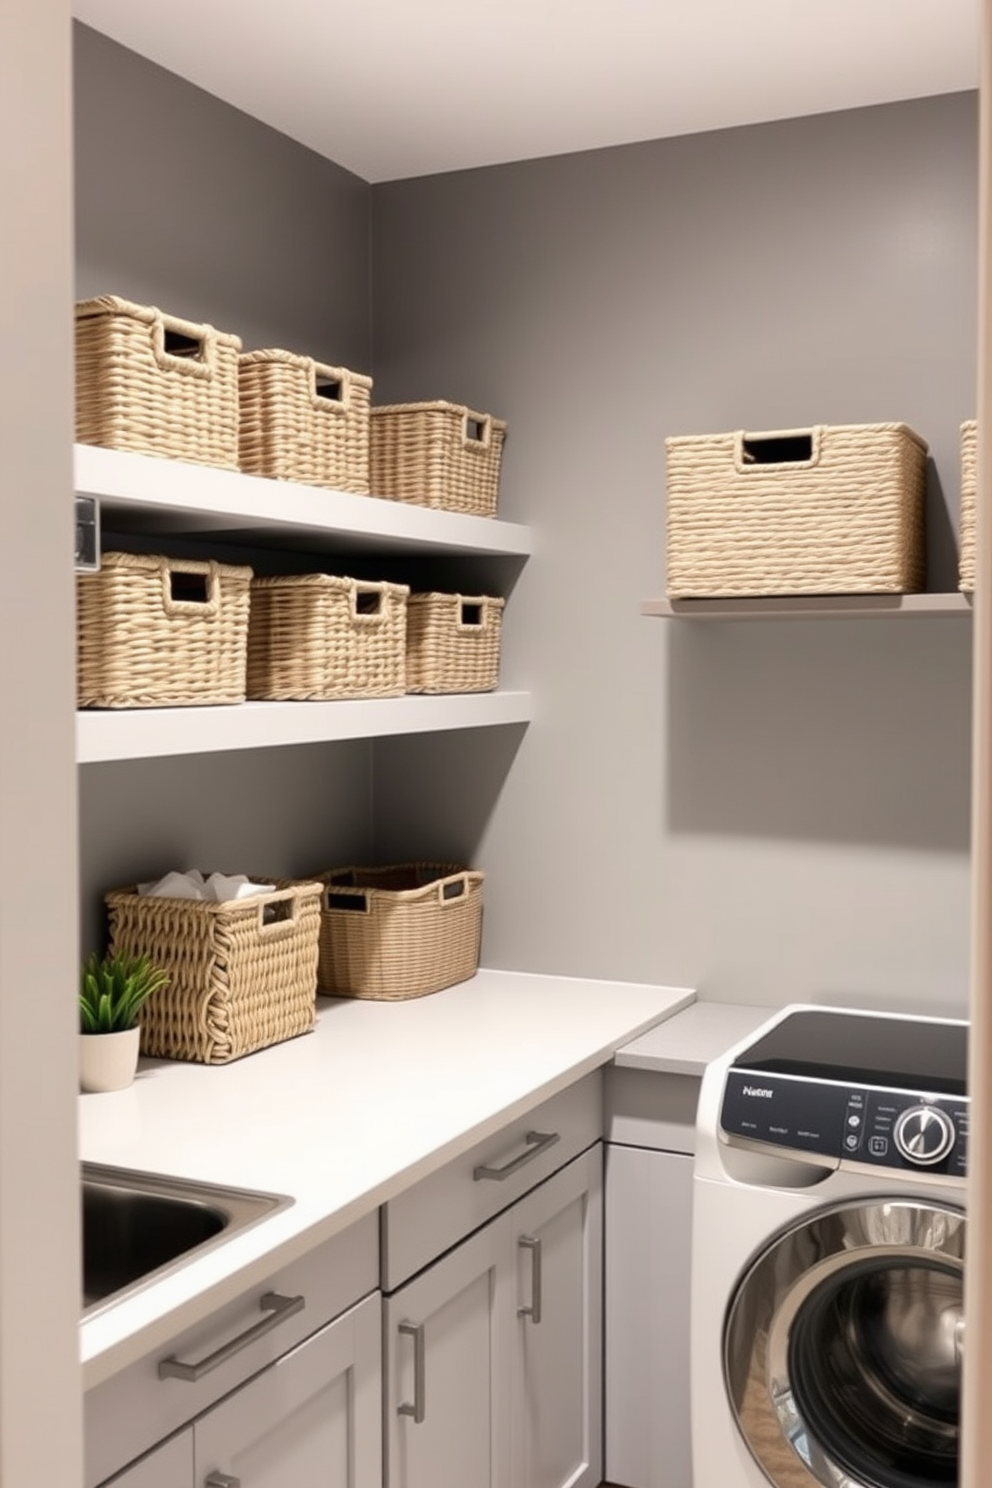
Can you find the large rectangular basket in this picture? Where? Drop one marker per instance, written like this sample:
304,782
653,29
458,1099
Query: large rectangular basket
452,642
242,974
156,632
826,510
398,932
969,468
437,454
155,384
304,421
315,637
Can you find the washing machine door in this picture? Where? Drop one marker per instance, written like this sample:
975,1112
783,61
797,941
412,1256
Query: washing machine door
843,1344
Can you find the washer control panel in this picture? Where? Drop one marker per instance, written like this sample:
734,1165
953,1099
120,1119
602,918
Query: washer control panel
882,1128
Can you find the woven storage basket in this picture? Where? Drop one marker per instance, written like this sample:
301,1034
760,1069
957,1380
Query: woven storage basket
155,632
243,974
437,454
398,932
154,384
969,468
452,642
302,421
314,637
827,510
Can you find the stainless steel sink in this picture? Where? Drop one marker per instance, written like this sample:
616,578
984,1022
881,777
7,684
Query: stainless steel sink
138,1226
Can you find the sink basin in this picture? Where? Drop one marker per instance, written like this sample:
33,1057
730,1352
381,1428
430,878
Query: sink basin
138,1226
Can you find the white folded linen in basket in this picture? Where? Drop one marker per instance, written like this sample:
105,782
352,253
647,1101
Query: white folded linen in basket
219,887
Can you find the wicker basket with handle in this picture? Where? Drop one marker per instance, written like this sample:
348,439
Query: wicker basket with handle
437,454
315,637
827,510
304,421
400,931
154,384
242,974
452,642
155,632
969,481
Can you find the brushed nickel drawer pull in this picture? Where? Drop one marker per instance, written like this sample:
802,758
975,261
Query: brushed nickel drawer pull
418,1409
537,1142
279,1309
221,1480
527,1242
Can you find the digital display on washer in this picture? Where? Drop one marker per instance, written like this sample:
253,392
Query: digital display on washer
864,1049
886,1091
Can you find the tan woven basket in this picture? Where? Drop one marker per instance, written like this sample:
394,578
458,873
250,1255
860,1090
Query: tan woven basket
156,632
154,384
437,454
314,637
452,642
969,482
243,974
398,932
827,510
303,421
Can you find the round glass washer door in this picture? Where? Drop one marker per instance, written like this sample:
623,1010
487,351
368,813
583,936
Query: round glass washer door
843,1346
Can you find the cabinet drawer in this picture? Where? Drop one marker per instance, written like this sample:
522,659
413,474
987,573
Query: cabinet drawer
435,1214
128,1413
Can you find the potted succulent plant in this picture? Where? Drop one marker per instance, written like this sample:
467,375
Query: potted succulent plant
112,992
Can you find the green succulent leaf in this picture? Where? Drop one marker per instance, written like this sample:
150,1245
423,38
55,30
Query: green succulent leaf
112,991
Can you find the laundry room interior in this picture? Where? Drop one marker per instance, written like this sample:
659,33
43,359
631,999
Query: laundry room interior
706,1085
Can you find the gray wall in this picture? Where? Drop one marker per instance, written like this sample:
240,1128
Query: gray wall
185,203
768,811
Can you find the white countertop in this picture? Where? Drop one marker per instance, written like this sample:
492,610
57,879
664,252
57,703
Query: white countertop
344,1118
686,1043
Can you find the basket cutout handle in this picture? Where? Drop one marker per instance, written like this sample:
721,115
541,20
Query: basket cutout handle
451,890
330,389
477,430
278,913
471,614
183,347
357,902
789,447
190,589
368,603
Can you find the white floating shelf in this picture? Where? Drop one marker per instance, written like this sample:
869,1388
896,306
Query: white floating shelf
146,733
144,494
810,606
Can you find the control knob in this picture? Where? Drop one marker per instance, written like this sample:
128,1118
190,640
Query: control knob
923,1135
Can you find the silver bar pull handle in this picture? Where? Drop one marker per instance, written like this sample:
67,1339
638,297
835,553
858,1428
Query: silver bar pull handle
221,1480
418,1409
537,1142
279,1309
527,1242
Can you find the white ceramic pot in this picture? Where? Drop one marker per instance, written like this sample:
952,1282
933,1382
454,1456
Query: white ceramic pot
107,1061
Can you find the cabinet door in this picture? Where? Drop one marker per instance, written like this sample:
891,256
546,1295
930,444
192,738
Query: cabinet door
168,1466
557,1352
312,1417
648,1242
447,1411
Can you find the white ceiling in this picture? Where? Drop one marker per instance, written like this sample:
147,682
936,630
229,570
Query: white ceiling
393,88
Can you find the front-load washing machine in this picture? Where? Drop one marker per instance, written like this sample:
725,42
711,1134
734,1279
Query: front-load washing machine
828,1240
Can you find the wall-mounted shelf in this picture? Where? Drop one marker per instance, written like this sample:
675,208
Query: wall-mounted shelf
146,733
811,606
142,494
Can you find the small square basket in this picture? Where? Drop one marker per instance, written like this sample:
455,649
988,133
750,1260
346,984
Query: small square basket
242,974
304,421
398,932
154,384
826,510
969,468
452,642
316,637
155,632
437,454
